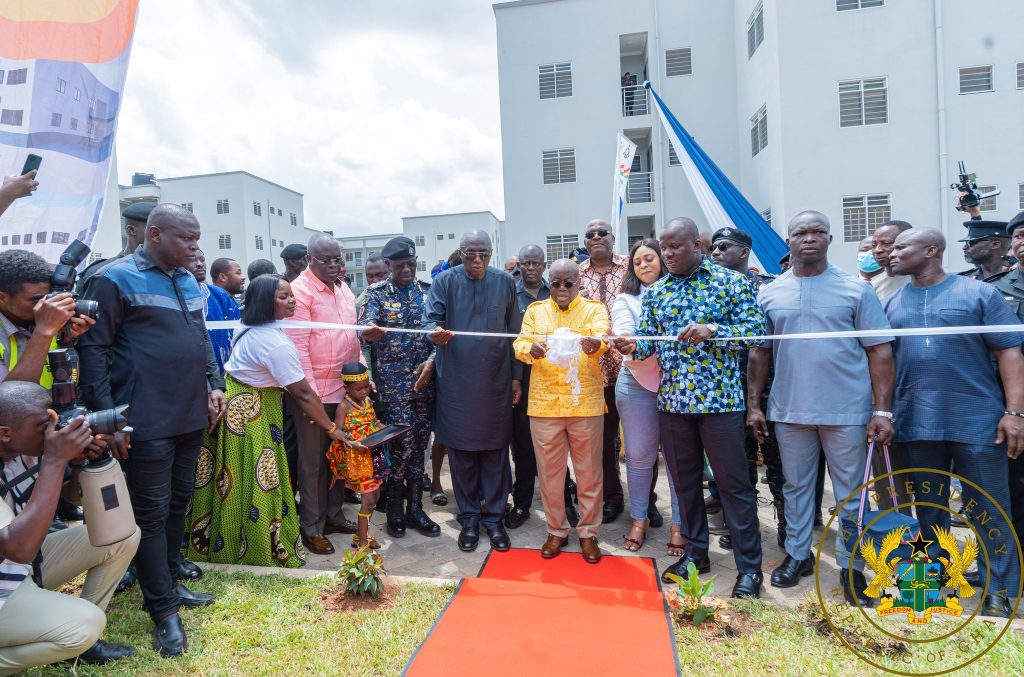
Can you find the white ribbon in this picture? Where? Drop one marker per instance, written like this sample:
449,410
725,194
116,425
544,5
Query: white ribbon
860,333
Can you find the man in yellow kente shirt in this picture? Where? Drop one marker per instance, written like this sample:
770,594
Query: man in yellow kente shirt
566,420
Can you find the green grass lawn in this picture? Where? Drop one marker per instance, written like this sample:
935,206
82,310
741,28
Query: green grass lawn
276,625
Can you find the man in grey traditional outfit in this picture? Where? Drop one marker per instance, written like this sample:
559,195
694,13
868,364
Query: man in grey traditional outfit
473,410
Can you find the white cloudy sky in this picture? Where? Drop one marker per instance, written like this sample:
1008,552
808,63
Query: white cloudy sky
373,110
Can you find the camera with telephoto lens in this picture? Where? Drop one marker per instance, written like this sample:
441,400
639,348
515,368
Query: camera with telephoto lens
968,186
64,276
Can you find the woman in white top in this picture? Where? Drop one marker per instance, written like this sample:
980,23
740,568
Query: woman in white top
243,509
636,397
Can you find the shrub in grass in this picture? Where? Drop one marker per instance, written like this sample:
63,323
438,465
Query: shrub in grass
362,572
691,599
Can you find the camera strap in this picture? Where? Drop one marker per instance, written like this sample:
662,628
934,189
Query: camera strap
7,486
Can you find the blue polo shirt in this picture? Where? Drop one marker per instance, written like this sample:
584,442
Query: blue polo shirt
947,386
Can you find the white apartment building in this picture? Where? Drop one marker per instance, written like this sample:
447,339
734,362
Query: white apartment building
857,108
242,216
357,249
437,236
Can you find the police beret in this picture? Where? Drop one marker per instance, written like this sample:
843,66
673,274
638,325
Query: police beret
293,252
735,234
138,211
978,228
784,258
399,247
1015,222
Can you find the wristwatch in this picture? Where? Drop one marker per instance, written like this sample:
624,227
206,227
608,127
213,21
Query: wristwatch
713,328
883,414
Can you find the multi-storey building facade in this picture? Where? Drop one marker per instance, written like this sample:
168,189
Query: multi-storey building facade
858,108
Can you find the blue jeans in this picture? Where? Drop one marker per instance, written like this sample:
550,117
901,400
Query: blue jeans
638,411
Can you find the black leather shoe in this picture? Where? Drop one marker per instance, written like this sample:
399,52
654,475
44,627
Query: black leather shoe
611,513
725,542
193,599
653,516
858,588
396,508
679,568
515,518
499,538
712,504
127,580
102,653
57,525
818,521
169,637
748,585
469,537
69,512
188,571
572,514
998,606
789,573
424,482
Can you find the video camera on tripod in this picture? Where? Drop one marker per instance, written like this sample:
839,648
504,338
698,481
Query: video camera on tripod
968,186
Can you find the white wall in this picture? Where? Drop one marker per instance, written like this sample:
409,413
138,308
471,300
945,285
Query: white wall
810,162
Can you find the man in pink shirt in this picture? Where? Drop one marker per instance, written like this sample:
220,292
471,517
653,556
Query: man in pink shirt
320,296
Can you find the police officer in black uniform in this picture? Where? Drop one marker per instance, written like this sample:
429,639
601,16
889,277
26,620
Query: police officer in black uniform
985,246
1011,284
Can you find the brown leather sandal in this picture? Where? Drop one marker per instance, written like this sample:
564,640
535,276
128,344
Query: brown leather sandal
632,544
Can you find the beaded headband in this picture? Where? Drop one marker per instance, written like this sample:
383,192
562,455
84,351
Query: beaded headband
355,377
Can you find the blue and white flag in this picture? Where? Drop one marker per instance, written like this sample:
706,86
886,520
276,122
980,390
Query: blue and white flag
722,203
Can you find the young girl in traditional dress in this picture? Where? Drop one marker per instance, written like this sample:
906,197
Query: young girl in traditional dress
363,470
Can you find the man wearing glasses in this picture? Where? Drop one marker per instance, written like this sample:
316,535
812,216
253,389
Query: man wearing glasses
473,412
601,278
320,296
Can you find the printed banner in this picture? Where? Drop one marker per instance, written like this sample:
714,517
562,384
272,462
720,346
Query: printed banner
625,150
62,73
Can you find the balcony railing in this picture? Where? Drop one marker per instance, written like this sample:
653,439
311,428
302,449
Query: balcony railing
639,188
634,100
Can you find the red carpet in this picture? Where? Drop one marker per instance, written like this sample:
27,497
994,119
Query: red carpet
525,615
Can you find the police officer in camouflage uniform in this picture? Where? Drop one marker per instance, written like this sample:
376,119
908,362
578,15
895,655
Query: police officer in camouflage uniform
403,368
1011,285
730,248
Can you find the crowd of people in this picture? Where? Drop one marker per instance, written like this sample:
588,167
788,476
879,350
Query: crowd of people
246,444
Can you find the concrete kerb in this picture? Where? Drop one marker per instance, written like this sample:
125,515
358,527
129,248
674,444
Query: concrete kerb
318,573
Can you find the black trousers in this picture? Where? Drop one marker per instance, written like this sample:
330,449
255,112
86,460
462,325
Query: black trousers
1017,496
609,457
481,481
686,438
161,476
291,442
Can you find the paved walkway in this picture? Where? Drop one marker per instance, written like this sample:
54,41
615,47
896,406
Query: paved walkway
416,555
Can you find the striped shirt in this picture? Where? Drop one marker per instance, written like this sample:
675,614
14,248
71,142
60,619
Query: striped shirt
13,573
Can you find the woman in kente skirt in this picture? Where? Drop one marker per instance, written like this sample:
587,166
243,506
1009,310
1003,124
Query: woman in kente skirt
243,510
363,470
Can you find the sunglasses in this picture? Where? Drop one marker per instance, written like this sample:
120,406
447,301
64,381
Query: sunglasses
721,246
559,284
600,232
476,255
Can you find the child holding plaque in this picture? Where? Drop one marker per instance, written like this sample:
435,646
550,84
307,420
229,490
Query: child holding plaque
363,470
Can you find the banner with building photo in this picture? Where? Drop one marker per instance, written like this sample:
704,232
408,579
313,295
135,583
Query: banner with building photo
624,152
62,74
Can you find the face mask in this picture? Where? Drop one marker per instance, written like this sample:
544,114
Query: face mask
866,262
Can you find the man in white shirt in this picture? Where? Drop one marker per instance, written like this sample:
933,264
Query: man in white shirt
37,626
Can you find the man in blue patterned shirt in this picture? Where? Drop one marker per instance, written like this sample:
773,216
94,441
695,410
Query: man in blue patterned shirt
700,401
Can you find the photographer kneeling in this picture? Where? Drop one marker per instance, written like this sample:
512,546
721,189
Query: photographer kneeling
37,626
